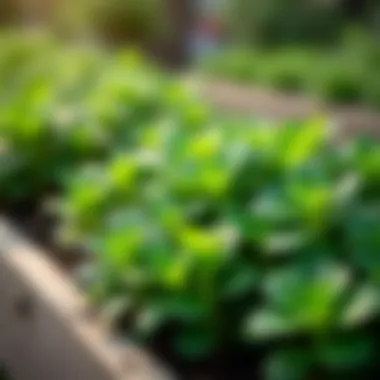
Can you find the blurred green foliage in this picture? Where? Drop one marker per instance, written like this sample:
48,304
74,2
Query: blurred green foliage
273,22
289,22
62,105
236,234
347,73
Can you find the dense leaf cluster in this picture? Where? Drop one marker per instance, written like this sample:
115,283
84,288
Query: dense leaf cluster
237,234
61,105
222,234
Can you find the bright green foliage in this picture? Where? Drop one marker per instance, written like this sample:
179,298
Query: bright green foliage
238,234
234,233
61,105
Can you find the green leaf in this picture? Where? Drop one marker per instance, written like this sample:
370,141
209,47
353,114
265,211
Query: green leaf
267,324
195,344
241,280
289,364
347,353
287,242
348,189
308,294
363,305
307,140
182,307
149,321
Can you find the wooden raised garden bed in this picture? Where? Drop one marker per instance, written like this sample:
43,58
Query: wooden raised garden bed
47,329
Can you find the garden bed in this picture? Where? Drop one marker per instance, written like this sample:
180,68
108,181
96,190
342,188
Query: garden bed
48,330
223,246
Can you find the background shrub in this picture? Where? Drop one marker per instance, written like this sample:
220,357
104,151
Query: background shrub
345,74
275,22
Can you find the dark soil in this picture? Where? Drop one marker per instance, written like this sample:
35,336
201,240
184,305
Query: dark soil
40,227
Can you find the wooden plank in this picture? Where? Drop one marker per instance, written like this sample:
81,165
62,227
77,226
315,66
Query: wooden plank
46,331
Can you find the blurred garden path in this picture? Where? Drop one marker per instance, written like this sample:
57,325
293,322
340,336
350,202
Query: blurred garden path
276,105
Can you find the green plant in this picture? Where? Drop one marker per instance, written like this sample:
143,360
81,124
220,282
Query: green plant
348,74
61,105
213,234
276,22
338,84
285,69
238,235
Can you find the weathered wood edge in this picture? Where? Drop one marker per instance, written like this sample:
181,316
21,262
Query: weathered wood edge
60,324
